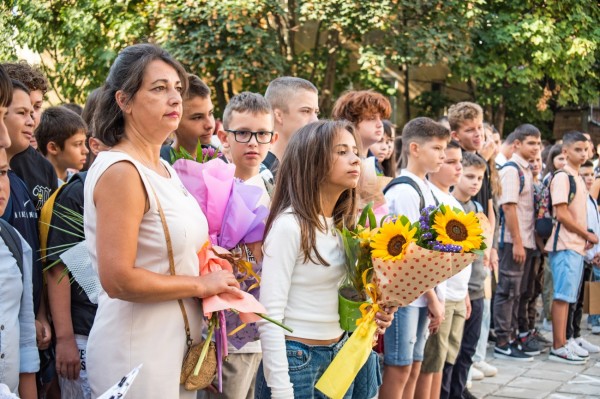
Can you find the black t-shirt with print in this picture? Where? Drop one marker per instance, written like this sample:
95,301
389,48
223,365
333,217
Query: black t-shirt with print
20,213
37,173
71,197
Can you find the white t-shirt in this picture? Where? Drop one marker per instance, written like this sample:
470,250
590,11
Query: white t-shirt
402,199
457,286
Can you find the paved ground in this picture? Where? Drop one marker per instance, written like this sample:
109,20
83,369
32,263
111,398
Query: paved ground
542,378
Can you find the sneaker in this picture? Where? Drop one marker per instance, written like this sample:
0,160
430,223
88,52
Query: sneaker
476,374
540,338
576,349
588,346
511,352
529,345
468,395
487,369
547,325
595,329
565,355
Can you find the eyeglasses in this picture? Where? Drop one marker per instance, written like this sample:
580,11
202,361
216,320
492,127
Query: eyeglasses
244,136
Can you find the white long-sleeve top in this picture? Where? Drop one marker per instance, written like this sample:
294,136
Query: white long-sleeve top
301,294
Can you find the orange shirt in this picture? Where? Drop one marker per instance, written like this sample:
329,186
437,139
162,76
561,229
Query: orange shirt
559,191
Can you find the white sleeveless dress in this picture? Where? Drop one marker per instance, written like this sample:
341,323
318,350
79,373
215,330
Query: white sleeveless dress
126,334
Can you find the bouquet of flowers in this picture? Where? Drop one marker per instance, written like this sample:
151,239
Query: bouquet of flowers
408,259
352,293
236,220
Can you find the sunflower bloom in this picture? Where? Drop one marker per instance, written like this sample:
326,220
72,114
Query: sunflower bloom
391,240
458,228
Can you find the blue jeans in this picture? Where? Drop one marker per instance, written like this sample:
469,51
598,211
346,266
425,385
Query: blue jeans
307,364
404,341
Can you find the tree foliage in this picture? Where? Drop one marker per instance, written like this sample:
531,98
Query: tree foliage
78,40
530,58
521,60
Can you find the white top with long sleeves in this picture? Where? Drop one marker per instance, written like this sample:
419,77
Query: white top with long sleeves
300,293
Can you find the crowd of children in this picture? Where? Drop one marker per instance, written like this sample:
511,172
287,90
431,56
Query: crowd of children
311,175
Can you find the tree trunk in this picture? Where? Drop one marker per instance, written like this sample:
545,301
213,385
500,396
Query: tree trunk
326,94
220,93
499,117
407,93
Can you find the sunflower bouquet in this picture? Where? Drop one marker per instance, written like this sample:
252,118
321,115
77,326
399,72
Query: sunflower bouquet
352,293
412,258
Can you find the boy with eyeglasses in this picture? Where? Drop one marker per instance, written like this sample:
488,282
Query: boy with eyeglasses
247,134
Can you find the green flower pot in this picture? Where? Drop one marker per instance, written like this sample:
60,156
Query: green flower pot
349,312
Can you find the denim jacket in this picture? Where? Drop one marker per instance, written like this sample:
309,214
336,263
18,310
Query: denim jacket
18,348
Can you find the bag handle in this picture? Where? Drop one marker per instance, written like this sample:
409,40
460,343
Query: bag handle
172,266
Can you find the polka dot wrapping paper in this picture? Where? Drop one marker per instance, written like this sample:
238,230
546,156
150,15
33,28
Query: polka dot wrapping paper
400,282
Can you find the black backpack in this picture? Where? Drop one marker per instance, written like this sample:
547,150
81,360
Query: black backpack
414,185
13,242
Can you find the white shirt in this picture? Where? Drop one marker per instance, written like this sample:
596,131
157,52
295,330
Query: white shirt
301,294
457,286
593,221
402,199
18,347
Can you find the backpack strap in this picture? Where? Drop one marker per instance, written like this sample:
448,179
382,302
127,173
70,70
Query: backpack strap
48,210
413,184
477,205
572,192
13,242
513,164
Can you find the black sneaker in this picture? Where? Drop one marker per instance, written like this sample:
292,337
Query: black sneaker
511,352
540,338
468,395
529,345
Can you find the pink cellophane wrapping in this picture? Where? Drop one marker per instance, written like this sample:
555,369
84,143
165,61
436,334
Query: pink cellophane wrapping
231,207
247,306
402,281
210,184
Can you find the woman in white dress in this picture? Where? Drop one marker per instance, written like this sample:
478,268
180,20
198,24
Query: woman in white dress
139,320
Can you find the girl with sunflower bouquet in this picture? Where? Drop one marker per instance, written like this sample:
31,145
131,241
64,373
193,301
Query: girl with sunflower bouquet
303,265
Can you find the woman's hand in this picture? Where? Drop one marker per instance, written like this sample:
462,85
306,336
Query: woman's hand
384,318
221,281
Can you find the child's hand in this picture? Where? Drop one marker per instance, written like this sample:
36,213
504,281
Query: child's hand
519,254
591,237
436,313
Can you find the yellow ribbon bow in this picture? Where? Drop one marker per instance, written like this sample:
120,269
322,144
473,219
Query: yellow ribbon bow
342,371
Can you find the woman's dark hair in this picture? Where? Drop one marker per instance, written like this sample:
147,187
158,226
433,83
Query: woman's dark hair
91,103
6,88
17,85
555,151
304,168
126,74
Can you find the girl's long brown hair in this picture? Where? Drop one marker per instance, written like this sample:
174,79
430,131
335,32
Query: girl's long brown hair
305,166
